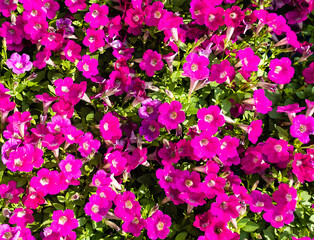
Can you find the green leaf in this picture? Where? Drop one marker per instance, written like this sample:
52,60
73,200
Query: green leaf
282,133
225,106
58,206
269,233
181,236
82,221
243,222
250,226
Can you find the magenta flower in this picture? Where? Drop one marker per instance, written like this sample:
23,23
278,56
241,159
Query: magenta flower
71,134
205,145
94,39
308,74
278,24
262,103
110,127
7,6
225,205
290,110
214,18
260,202
126,206
218,229
158,225
171,115
97,15
75,5
46,181
52,41
302,127
134,226
134,17
97,207
71,167
34,198
281,70
253,162
210,119
21,217
302,167
149,109
51,7
196,67
228,148
286,197
64,222
169,153
278,217
249,61
25,158
19,64
151,62
36,28
149,129
255,130
11,192
11,33
42,58
117,162
222,72
276,150
234,16
154,13
72,51
101,179
88,66
88,146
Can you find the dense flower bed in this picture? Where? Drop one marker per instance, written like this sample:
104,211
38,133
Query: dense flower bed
147,119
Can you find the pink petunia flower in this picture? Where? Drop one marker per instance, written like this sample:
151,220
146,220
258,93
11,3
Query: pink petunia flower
64,222
97,207
171,115
21,217
281,70
154,13
286,197
94,39
308,74
196,67
126,206
234,16
71,167
260,202
97,15
278,217
222,72
19,64
117,162
225,205
72,51
214,18
88,66
210,119
276,150
134,226
75,5
302,127
158,225
151,62
88,146
302,167
261,102
205,145
249,61
110,127
11,192
46,181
